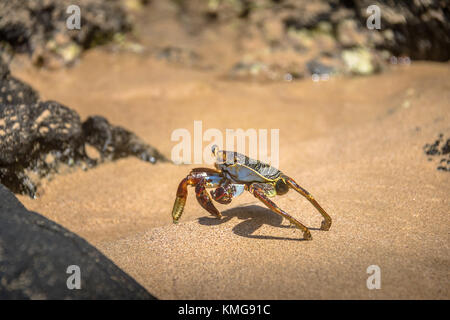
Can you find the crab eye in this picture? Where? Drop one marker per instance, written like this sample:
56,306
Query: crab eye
214,149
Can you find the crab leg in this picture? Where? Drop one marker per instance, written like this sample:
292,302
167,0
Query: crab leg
222,194
205,200
326,223
200,178
226,192
259,193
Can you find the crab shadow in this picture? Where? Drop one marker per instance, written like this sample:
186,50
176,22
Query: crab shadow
254,217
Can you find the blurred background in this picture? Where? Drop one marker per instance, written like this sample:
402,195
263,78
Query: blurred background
263,39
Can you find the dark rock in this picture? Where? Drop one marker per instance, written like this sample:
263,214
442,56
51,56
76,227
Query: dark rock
38,27
178,55
438,148
14,91
410,30
420,29
349,34
306,15
4,69
36,252
31,132
316,67
37,138
446,148
50,124
115,142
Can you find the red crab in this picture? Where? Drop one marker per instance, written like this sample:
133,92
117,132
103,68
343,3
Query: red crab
235,173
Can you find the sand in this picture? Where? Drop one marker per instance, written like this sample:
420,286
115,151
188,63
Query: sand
354,143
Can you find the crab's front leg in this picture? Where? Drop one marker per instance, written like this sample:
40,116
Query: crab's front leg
263,195
203,197
201,178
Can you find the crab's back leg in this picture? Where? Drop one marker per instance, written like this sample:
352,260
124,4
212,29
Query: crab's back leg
326,223
260,194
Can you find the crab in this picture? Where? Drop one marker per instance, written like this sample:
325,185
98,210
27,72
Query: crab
235,173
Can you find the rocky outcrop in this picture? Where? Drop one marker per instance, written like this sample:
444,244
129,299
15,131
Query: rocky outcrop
440,150
419,29
36,255
38,27
114,142
38,137
293,31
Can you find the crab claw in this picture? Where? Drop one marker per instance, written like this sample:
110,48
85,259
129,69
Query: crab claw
201,178
221,195
180,200
178,209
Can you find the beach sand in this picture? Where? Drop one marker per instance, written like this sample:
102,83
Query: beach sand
354,143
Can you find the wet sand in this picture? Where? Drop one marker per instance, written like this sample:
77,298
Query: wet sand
354,143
